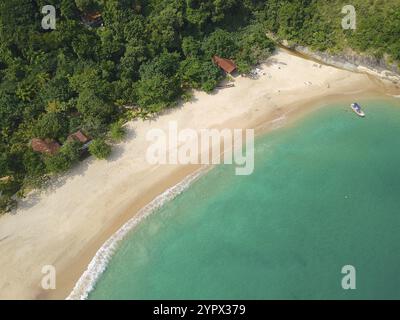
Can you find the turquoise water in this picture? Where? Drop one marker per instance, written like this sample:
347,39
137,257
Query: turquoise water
325,193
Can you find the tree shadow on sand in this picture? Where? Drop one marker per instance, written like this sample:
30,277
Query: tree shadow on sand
57,181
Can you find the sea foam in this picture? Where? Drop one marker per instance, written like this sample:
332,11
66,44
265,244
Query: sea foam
99,263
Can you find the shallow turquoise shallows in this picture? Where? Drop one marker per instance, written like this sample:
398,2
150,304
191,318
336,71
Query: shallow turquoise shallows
325,193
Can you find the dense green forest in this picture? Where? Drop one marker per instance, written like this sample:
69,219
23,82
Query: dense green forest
317,24
144,53
80,76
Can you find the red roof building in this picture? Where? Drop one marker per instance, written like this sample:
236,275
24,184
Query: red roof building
227,65
92,19
79,136
93,16
45,146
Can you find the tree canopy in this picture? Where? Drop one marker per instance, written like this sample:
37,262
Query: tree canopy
104,55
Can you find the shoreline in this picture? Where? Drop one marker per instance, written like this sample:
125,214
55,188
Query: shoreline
104,254
99,263
348,60
251,104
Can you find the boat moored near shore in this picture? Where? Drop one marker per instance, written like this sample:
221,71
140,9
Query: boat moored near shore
357,109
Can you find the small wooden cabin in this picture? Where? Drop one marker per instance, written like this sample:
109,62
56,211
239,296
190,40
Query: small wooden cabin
227,65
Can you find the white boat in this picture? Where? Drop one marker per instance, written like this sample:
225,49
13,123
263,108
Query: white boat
357,109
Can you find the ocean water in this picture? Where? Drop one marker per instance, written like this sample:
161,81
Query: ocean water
325,193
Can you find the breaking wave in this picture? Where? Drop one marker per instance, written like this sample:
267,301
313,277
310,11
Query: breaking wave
99,263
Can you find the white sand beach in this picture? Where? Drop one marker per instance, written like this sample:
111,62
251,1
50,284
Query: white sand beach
66,224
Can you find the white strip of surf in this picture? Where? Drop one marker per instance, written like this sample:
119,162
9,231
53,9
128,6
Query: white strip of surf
100,261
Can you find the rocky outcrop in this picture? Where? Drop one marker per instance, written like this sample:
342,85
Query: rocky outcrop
348,60
355,62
